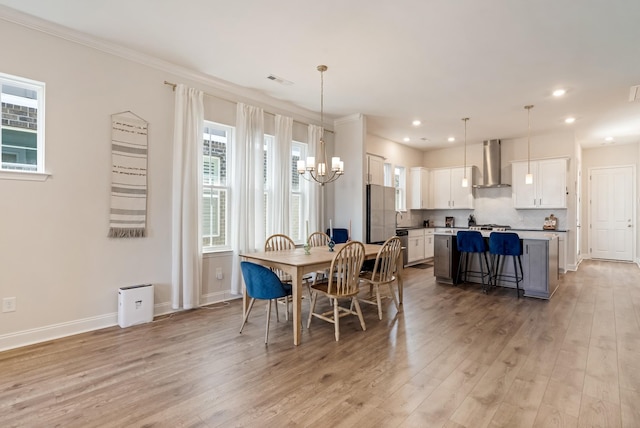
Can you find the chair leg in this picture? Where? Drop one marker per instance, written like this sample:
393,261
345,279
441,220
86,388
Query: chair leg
489,277
379,300
314,296
393,296
287,299
336,318
462,255
485,289
246,316
359,312
266,332
277,314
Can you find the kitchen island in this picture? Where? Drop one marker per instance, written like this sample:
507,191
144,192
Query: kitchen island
539,261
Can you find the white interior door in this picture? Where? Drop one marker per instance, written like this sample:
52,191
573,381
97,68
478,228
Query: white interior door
611,213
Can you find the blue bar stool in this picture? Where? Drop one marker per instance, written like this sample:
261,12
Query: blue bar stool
470,242
506,244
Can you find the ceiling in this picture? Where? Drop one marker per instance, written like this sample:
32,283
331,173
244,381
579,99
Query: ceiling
436,61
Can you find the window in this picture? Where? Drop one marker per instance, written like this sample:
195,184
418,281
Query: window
297,201
215,186
22,128
388,177
399,182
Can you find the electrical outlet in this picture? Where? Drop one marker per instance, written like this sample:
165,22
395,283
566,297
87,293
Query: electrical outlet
219,274
8,304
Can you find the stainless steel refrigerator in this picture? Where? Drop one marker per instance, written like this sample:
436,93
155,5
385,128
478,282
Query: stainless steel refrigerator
381,213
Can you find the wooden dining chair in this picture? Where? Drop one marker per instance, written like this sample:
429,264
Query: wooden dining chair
279,242
343,283
317,239
383,274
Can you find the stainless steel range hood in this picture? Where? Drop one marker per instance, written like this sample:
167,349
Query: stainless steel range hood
491,165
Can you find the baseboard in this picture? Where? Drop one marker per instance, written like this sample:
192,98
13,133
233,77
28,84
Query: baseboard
56,331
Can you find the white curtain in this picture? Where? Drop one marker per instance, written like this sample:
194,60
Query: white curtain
247,215
281,176
314,133
186,248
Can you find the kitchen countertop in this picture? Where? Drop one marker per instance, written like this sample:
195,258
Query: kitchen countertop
546,235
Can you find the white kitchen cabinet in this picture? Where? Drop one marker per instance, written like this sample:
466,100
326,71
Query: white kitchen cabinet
419,188
549,187
447,190
415,249
428,243
375,170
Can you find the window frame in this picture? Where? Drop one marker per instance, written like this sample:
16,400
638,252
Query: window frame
225,187
401,187
39,88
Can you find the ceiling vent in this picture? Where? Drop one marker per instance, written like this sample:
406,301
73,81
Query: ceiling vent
634,93
279,80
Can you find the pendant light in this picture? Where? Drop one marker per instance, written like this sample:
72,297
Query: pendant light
320,172
465,181
528,179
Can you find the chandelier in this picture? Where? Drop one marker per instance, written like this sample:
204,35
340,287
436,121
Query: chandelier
320,172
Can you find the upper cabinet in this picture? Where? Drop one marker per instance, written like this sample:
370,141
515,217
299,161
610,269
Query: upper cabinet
549,187
375,170
419,188
447,190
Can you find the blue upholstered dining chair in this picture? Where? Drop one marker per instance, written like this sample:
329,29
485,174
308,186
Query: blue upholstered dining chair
506,244
472,242
340,236
262,284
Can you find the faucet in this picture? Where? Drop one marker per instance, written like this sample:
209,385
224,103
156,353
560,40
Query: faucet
398,212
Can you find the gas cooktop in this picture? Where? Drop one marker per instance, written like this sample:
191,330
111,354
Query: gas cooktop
492,227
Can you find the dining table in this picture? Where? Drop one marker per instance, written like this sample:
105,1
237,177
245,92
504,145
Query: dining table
297,264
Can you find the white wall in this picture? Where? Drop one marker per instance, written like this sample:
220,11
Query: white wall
56,258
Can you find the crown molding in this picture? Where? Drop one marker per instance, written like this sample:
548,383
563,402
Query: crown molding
228,89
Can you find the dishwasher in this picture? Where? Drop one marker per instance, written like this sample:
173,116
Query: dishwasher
403,234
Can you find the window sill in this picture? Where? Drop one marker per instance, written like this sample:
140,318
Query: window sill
207,252
24,176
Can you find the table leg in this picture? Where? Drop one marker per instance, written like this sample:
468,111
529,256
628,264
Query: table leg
400,268
297,305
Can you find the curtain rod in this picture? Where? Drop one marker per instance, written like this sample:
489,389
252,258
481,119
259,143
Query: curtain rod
173,87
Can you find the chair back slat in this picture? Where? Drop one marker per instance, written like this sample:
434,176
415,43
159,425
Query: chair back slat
387,260
318,239
279,242
345,269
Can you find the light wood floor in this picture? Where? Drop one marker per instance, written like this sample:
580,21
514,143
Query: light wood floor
453,357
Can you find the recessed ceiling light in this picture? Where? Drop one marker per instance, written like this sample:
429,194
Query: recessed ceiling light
570,120
406,139
416,123
451,139
559,92
608,139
